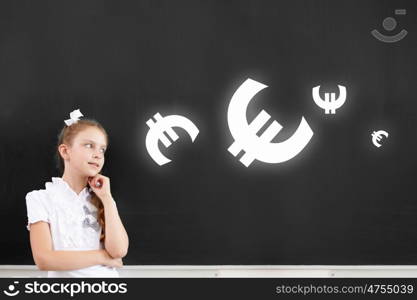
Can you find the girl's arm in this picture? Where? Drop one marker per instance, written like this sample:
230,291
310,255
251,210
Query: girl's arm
48,259
116,240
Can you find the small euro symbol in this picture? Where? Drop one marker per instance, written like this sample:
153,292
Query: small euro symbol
377,137
330,103
165,124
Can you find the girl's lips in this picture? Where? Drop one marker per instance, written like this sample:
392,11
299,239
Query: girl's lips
94,164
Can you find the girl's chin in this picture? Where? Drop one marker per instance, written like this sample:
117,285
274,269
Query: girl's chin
92,173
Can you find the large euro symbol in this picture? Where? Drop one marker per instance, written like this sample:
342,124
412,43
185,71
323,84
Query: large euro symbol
156,133
260,147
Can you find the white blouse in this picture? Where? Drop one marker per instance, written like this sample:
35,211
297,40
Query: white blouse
73,223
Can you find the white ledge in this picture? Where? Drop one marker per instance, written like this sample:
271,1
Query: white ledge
237,271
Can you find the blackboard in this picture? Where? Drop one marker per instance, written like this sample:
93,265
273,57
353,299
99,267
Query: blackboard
340,201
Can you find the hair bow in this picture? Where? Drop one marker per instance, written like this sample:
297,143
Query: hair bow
74,117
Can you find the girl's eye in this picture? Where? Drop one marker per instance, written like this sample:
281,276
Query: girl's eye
103,150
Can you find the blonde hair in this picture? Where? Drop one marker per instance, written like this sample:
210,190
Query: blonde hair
66,136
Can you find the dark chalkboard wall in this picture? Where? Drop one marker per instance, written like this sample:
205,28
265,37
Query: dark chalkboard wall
340,201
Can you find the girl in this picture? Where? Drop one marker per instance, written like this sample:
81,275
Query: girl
75,228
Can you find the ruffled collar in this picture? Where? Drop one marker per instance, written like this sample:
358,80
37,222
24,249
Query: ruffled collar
59,183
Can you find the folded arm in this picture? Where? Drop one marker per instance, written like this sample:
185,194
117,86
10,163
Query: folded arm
48,259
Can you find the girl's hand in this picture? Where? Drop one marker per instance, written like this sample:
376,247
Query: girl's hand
114,263
110,261
100,185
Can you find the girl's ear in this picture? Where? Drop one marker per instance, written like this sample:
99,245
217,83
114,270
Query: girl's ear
63,150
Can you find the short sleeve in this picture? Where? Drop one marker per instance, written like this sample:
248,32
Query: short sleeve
36,208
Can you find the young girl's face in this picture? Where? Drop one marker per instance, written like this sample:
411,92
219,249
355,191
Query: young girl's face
86,155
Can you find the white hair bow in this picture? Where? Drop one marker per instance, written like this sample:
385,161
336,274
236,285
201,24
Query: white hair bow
75,116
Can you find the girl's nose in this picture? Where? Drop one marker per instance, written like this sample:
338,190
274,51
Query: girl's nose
97,155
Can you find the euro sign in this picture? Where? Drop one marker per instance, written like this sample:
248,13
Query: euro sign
330,103
377,137
245,135
165,124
